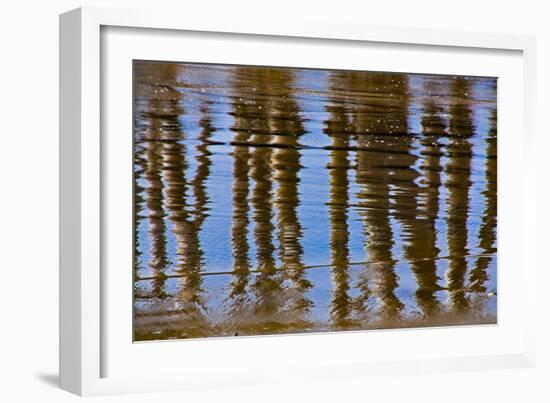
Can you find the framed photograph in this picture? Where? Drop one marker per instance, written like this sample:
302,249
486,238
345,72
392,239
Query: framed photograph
238,196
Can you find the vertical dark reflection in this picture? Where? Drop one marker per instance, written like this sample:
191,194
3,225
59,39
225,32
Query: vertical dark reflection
339,129
157,227
139,199
252,87
423,249
410,201
155,98
487,232
238,294
286,127
185,229
170,141
203,165
458,183
377,120
187,218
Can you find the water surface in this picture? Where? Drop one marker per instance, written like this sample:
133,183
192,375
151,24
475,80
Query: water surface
283,200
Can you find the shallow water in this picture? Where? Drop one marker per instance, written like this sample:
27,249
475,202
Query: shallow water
276,200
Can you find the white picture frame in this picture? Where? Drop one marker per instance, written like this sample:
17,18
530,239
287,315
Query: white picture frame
83,173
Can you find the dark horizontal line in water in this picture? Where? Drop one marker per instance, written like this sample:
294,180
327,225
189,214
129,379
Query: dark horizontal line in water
308,147
453,153
324,266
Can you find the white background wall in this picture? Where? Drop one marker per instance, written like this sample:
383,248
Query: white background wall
29,201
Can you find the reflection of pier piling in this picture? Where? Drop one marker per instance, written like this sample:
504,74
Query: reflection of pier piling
458,171
338,128
158,111
487,233
372,125
203,165
157,227
238,294
267,285
139,199
188,248
286,127
423,240
168,152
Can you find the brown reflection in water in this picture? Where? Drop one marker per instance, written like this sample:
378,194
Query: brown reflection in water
186,232
171,154
157,111
458,170
139,168
267,126
203,165
267,285
286,127
157,227
339,128
187,217
422,250
487,233
238,294
374,175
